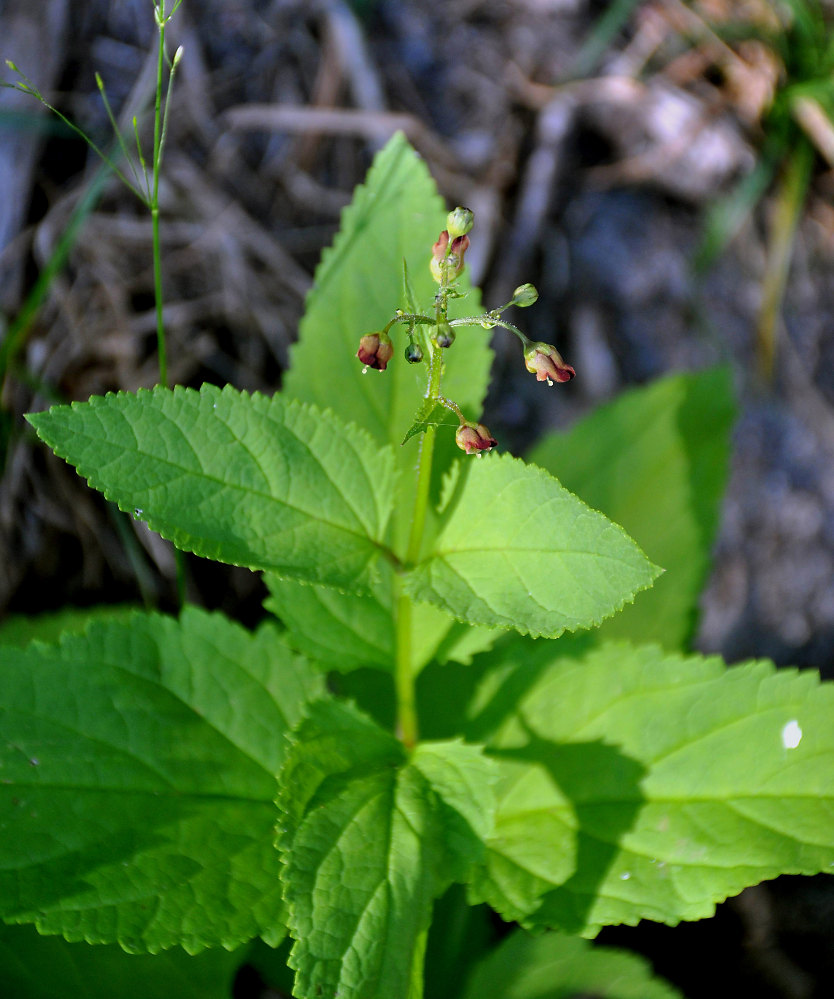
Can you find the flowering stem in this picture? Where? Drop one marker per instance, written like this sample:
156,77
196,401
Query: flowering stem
407,317
407,729
493,321
453,406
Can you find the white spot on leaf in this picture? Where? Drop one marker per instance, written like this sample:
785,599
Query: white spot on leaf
625,876
791,734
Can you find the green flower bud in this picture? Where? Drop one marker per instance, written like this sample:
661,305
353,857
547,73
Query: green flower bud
443,335
524,295
459,222
414,353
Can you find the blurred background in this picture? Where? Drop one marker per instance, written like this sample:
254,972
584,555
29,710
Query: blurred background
660,170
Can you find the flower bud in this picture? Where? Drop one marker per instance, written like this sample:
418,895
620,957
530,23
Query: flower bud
375,350
447,261
474,438
524,295
443,335
546,363
459,222
414,353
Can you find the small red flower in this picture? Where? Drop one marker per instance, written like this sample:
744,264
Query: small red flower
375,350
449,263
546,363
474,438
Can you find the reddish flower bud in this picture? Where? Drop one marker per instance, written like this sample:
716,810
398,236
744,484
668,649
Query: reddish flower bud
474,438
375,350
448,260
546,363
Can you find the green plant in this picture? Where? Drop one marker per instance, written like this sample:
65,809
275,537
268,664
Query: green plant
144,184
416,735
794,41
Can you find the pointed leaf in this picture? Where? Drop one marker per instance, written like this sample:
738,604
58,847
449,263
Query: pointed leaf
237,478
395,215
520,551
660,786
655,461
430,413
555,966
369,840
138,764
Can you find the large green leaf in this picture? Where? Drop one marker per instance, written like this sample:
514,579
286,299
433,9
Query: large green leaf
370,838
519,551
139,763
655,461
643,785
37,967
555,966
242,479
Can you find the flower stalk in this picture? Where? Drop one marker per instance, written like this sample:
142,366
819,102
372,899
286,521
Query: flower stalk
376,350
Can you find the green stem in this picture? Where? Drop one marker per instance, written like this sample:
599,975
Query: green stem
157,288
158,139
407,317
404,672
424,466
492,321
453,406
407,729
157,254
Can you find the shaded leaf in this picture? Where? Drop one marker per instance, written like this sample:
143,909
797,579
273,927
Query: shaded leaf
659,787
370,838
37,967
139,763
20,629
354,630
555,966
655,461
